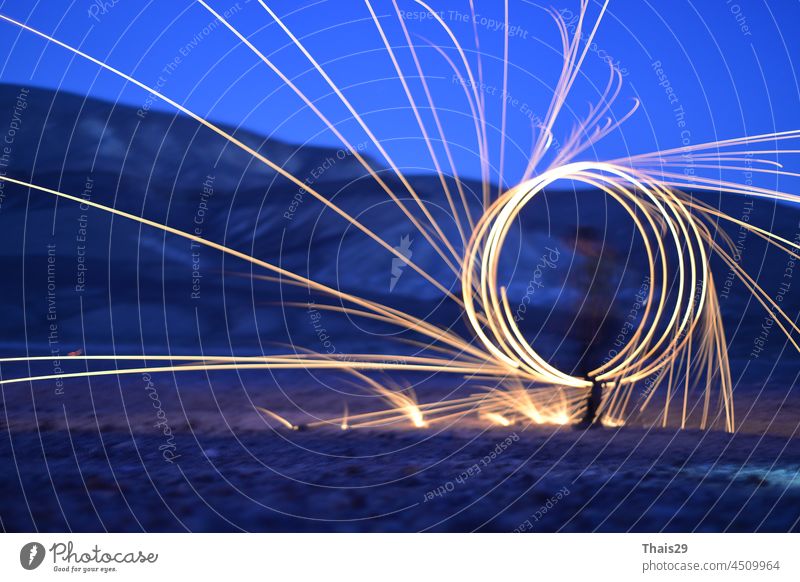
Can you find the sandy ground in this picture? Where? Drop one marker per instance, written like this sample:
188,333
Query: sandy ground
94,459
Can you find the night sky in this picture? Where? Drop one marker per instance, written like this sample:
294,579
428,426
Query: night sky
702,70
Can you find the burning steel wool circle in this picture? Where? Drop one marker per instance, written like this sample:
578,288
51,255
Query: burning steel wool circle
490,315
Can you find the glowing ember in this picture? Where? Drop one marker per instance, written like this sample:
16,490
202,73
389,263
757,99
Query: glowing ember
497,419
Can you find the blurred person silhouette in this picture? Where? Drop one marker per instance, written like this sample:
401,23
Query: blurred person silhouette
596,322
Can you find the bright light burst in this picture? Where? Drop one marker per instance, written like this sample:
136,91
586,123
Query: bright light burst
680,338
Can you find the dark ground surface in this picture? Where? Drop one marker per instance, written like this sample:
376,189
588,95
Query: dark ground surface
228,477
545,481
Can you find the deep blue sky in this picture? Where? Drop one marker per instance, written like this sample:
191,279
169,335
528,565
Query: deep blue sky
732,65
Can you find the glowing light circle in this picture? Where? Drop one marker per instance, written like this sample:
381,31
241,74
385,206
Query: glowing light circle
487,306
